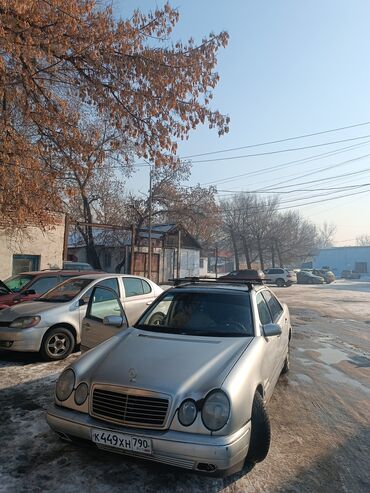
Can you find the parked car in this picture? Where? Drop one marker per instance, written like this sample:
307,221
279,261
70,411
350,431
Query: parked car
189,389
28,286
350,274
281,277
52,324
328,275
69,265
305,277
244,274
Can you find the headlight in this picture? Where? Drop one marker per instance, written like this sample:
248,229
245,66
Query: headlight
25,322
187,412
81,394
65,385
216,410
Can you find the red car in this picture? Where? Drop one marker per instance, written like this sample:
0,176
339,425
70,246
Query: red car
27,286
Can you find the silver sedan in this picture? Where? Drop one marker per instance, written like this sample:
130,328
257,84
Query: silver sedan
52,324
187,384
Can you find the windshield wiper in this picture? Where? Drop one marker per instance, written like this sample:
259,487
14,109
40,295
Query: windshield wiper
159,328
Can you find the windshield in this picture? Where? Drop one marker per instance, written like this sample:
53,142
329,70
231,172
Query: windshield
66,291
203,314
16,283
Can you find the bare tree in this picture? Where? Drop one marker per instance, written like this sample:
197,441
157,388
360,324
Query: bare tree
326,235
363,240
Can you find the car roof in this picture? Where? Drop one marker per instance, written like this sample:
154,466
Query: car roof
101,275
47,272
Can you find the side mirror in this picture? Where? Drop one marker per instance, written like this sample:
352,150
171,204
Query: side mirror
27,292
81,302
271,330
114,321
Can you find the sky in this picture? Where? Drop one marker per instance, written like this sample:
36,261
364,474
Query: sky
291,68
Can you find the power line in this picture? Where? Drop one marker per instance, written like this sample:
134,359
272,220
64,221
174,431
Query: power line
277,141
288,164
279,151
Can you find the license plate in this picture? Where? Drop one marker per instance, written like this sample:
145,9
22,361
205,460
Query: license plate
122,441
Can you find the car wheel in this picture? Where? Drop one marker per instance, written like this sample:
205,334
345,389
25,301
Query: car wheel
57,344
280,283
286,366
156,319
260,433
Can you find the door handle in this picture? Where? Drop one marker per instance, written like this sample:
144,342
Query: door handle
87,325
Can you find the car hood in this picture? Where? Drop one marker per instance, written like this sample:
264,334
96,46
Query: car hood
27,308
168,363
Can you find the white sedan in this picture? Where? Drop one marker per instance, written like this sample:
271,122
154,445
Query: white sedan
52,324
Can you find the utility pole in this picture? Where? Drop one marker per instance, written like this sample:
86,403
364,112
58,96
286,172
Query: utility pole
150,223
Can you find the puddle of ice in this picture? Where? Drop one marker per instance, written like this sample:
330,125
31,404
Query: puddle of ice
332,356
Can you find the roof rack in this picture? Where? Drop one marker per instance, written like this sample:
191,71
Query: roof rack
197,280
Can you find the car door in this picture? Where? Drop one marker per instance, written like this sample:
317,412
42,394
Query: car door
138,295
271,357
279,316
104,318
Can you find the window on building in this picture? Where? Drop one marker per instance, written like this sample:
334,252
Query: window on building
201,263
25,263
107,259
361,267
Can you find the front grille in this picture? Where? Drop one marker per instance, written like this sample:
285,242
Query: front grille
129,409
4,324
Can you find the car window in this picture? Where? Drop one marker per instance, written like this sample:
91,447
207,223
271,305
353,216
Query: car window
16,283
146,287
43,284
103,303
111,283
273,304
133,286
66,291
200,314
263,310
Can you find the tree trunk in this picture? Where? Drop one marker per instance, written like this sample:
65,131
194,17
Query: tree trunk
247,253
91,253
119,266
272,255
216,261
235,247
260,254
281,263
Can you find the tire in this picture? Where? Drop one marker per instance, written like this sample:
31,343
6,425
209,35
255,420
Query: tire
57,344
260,433
280,282
156,319
286,366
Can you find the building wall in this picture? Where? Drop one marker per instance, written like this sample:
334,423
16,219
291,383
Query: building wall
47,245
344,258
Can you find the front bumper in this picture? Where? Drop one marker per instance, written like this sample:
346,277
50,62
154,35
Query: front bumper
225,454
22,339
